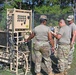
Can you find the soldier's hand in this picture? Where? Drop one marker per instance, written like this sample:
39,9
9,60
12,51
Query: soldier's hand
71,45
53,49
52,32
25,40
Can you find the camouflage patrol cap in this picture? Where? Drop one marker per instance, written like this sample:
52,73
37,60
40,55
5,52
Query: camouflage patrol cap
70,17
43,17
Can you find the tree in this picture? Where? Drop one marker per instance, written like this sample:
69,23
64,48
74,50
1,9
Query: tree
49,7
55,11
8,4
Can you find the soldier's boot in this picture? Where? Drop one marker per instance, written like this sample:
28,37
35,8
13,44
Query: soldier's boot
50,73
57,74
65,72
62,73
69,66
38,74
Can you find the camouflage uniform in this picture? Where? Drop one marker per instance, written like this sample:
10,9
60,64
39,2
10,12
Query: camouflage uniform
72,26
42,51
70,59
42,47
63,53
63,47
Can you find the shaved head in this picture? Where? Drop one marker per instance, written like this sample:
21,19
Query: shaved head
62,22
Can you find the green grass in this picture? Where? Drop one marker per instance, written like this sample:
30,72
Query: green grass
4,72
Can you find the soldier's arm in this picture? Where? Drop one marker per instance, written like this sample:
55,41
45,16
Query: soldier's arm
31,36
51,39
58,36
74,36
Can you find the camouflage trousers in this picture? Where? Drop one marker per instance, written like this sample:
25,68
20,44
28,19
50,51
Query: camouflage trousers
42,52
63,53
70,58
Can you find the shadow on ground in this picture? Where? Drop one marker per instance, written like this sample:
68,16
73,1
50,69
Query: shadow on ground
44,70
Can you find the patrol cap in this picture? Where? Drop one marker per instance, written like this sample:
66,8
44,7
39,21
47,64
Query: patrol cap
43,17
70,17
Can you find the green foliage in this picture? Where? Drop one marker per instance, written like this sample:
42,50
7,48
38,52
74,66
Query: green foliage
54,10
11,4
54,13
3,21
16,3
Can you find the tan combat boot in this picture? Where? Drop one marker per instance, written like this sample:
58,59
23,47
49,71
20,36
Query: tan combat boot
50,73
65,72
62,73
38,74
57,74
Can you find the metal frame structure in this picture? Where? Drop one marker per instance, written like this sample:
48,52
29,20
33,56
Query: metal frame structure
19,26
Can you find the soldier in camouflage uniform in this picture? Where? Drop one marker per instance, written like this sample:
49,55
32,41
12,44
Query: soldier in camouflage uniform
43,45
72,26
63,37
